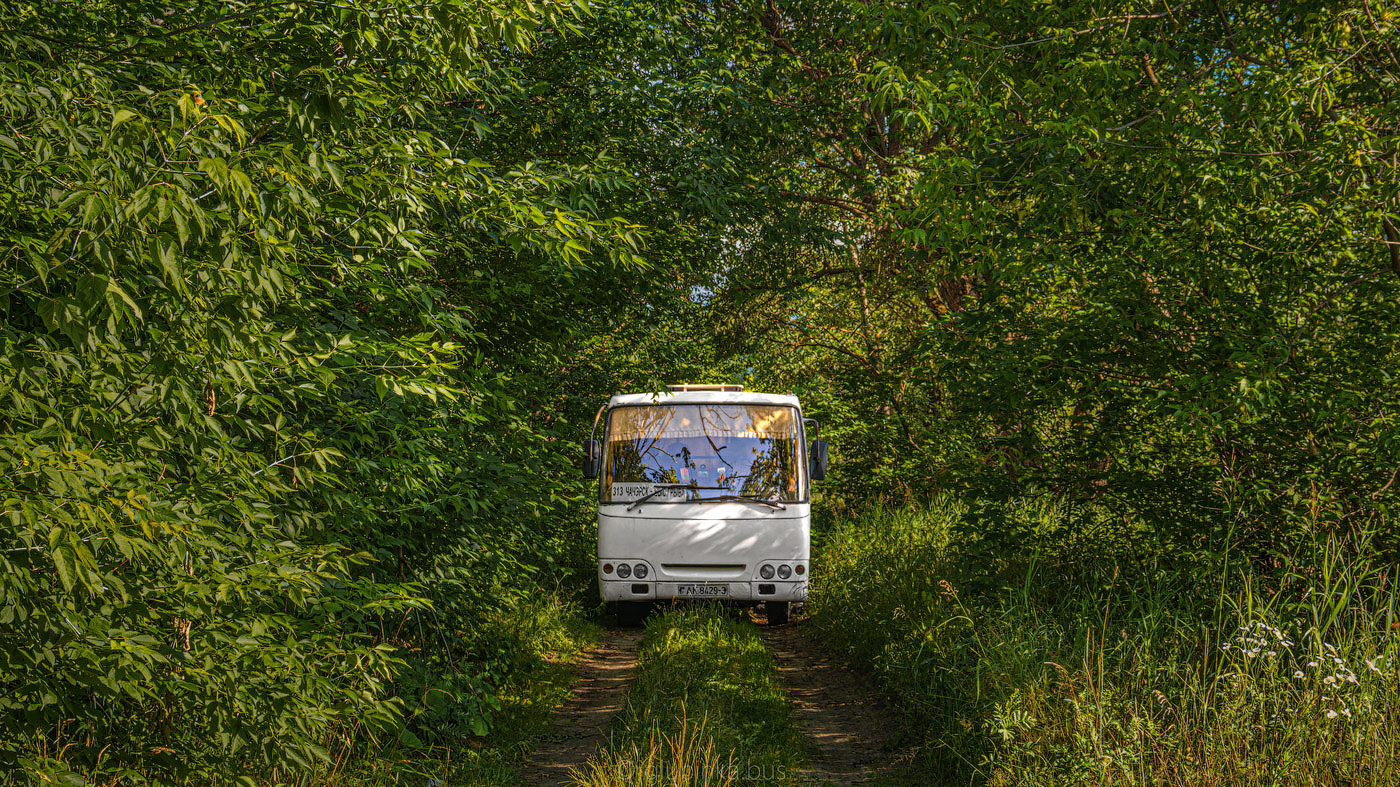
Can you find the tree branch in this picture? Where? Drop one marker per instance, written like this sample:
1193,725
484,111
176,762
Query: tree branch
835,202
1392,242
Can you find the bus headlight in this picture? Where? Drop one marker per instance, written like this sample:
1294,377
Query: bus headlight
607,568
623,570
766,572
784,572
640,571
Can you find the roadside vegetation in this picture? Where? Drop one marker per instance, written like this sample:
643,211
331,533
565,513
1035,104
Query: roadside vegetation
540,641
291,336
530,646
1080,660
534,645
304,307
707,709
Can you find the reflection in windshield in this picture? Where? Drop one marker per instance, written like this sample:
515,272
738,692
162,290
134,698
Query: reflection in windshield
744,449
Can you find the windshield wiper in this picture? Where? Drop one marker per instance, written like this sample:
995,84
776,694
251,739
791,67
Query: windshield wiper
744,498
664,487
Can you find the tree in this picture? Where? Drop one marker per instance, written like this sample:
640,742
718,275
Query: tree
1140,258
260,405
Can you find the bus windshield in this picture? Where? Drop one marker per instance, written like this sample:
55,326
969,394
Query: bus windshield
707,449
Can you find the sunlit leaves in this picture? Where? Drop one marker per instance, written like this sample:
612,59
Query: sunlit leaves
252,419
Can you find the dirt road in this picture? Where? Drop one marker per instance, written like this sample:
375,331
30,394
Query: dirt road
580,727
846,724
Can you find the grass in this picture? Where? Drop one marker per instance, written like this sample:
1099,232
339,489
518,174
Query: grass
707,709
537,642
1076,665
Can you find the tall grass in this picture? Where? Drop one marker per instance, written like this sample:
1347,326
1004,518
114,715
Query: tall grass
707,709
688,756
1073,664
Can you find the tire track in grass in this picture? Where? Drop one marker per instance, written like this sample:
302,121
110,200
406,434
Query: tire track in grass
708,708
580,726
847,726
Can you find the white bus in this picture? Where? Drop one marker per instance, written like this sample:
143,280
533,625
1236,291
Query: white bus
705,492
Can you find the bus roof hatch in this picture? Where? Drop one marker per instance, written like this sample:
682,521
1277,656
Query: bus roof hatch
688,387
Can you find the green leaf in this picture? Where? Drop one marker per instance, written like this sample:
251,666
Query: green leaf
121,117
65,564
92,290
165,251
116,297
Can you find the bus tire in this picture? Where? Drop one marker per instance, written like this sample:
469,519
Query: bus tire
777,612
632,614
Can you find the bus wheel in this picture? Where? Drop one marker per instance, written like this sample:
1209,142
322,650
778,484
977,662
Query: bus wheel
777,612
632,614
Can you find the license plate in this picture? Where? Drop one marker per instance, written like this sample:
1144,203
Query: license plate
702,591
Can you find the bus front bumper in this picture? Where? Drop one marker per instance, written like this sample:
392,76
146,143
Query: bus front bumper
760,590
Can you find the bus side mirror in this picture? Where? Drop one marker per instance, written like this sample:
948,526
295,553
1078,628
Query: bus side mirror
818,463
592,452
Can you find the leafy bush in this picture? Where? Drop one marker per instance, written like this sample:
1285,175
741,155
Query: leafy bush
266,469
529,671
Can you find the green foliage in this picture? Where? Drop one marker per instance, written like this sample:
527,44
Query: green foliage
538,640
1063,667
1143,257
268,458
305,303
